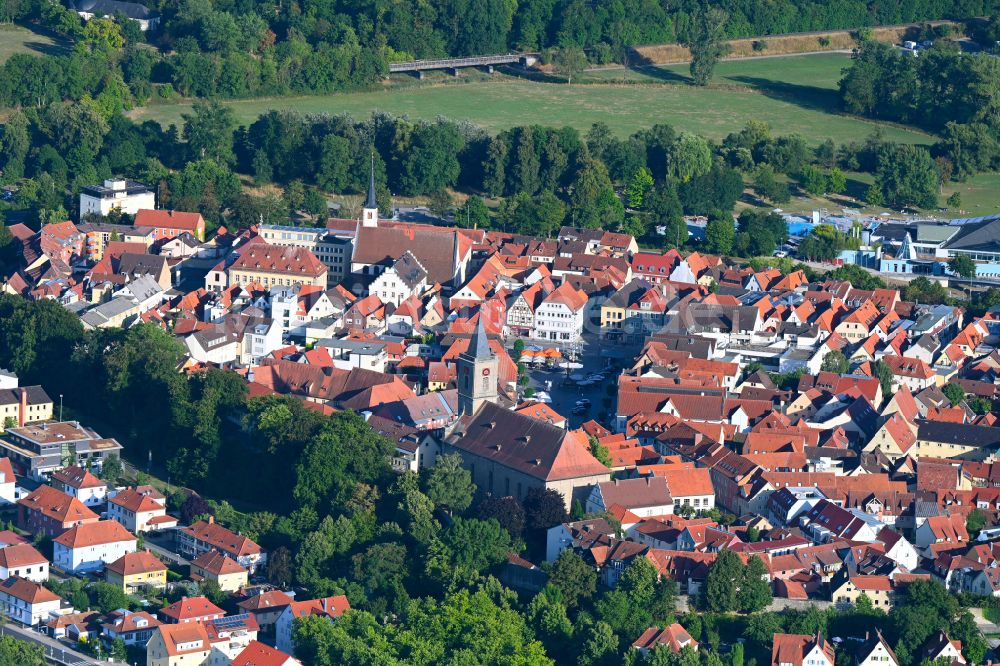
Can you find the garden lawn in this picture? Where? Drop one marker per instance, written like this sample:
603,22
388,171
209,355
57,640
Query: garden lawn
16,39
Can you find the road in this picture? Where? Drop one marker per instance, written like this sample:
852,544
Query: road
55,652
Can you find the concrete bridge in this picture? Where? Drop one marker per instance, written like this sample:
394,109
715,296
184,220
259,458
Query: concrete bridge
455,64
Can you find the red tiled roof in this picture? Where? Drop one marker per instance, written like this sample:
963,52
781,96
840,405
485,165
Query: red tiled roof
19,555
130,564
191,608
27,591
57,505
77,477
295,261
217,564
259,654
94,534
169,219
225,540
131,500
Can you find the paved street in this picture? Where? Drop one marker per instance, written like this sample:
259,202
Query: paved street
55,652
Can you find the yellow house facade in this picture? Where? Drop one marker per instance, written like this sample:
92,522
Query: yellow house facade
135,572
225,572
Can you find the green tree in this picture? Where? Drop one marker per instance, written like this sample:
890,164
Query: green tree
449,484
689,156
345,451
664,210
837,182
476,545
638,187
706,42
208,130
430,164
107,597
575,579
813,180
599,451
975,522
547,614
334,170
981,405
736,655
835,361
112,470
857,276
722,585
720,232
883,373
964,267
381,567
923,290
755,591
279,567
766,184
592,198
569,62
907,176
954,393
473,214
15,141
954,200
14,652
926,608
103,34
523,170
600,646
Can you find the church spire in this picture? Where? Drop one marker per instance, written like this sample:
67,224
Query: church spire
371,202
369,214
479,345
478,369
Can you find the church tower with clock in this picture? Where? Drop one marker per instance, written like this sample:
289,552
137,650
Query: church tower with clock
477,372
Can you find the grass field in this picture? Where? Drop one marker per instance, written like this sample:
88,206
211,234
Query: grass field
791,93
15,39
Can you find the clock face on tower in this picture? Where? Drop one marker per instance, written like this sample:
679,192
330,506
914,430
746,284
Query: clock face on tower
486,372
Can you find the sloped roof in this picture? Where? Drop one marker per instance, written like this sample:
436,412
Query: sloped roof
527,445
94,534
217,564
57,505
19,555
224,539
436,249
190,608
130,564
27,591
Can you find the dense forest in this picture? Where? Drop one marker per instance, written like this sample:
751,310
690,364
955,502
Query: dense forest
250,48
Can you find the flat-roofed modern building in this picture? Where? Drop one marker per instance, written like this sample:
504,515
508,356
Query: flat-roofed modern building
38,449
127,196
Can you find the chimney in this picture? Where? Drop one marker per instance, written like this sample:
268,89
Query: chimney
211,520
23,408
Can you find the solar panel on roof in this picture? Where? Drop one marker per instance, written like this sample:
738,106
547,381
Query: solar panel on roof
231,621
